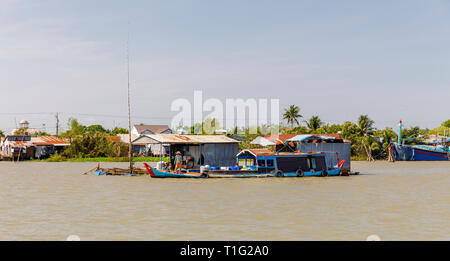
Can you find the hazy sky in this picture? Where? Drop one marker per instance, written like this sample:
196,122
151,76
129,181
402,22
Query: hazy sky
335,59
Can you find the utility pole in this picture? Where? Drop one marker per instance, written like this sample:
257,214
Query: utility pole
57,124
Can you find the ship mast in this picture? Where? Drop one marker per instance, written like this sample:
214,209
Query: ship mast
130,147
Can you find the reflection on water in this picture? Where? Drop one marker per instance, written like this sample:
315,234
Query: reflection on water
396,201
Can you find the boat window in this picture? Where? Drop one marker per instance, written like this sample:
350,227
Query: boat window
261,163
321,163
292,164
270,163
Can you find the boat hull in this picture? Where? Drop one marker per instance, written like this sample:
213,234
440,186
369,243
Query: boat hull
155,173
409,153
331,172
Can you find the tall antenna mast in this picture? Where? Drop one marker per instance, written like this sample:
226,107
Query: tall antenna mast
130,148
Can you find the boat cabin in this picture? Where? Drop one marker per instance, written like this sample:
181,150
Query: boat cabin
284,163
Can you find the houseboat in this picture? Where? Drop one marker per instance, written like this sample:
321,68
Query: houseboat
289,164
260,163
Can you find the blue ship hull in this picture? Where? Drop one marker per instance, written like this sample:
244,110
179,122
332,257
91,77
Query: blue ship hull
409,153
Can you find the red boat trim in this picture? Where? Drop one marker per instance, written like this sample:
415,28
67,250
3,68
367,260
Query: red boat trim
149,170
430,154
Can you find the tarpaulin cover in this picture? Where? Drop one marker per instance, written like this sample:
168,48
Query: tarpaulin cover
402,152
343,150
219,155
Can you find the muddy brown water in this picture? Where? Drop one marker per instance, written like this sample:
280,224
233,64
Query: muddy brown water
396,201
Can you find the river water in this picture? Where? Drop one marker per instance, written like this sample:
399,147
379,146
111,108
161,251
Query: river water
396,201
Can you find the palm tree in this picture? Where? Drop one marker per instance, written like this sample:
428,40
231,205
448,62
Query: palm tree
314,123
365,125
291,114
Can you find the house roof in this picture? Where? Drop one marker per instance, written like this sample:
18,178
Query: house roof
48,141
188,139
281,139
155,129
303,137
255,152
262,141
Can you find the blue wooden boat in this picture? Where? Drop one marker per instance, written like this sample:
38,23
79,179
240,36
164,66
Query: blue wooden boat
420,153
294,164
156,173
264,164
437,152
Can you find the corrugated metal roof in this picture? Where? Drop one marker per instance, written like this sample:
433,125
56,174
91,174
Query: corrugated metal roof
279,139
48,141
189,139
303,137
262,141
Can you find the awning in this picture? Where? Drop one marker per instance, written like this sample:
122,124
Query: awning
304,137
262,141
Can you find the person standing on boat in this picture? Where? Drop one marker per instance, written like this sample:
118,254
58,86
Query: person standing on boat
178,162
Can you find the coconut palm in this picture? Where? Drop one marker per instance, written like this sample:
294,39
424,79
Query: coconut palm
291,114
314,123
365,125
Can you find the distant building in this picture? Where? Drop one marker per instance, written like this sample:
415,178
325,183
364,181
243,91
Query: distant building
24,129
27,147
16,147
45,146
196,150
151,129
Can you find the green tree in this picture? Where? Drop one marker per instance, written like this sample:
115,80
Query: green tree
117,130
292,114
314,123
97,128
2,134
446,124
75,129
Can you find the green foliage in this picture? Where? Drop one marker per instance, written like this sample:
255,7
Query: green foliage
117,130
297,130
55,158
97,129
314,123
2,134
44,134
94,145
75,129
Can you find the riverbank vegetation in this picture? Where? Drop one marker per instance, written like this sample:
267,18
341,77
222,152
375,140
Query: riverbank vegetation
93,143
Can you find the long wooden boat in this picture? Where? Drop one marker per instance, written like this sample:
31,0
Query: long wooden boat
156,173
98,171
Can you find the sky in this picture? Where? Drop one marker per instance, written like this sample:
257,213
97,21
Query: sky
335,59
